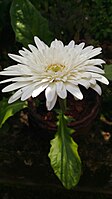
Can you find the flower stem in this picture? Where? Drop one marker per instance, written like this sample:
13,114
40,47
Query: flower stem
62,103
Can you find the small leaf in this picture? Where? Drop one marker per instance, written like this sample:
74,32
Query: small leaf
27,22
108,71
63,155
7,110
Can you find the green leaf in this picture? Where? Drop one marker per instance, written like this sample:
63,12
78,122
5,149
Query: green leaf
63,155
27,22
7,110
108,71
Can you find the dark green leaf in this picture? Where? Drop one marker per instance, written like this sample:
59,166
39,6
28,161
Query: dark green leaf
7,110
27,22
64,157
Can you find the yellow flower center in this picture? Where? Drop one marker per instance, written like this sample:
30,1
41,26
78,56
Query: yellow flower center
55,67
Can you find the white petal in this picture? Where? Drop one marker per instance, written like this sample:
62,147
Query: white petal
50,105
87,50
84,83
93,81
15,97
15,86
74,90
19,69
71,44
25,70
94,52
10,73
40,44
18,58
79,47
61,90
97,88
40,88
27,92
100,78
50,92
13,67
56,44
73,81
33,48
24,53
18,79
95,62
37,55
94,69
6,80
85,75
26,50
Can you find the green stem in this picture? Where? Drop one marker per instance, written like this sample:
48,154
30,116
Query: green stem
62,103
62,125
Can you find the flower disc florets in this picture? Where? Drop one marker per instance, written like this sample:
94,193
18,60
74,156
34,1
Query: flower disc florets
55,69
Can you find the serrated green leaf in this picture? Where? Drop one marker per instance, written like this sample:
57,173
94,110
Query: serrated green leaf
108,71
27,22
7,110
63,155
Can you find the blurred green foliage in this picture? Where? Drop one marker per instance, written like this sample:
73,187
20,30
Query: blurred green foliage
7,110
108,71
75,19
67,19
27,22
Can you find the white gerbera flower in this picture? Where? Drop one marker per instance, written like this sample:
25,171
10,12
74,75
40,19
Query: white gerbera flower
55,69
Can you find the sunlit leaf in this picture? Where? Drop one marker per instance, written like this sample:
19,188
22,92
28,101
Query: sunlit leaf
64,157
28,22
7,110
